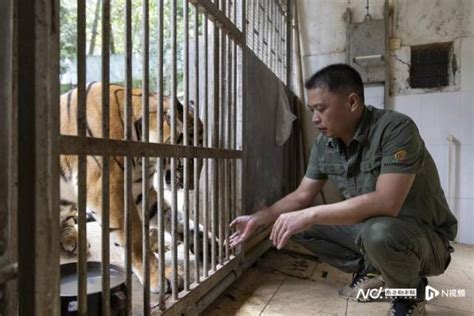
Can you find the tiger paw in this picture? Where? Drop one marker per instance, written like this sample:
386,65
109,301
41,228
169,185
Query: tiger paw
70,240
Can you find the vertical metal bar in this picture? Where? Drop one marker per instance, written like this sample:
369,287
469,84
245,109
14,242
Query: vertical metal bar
206,144
159,171
289,44
242,113
196,143
82,168
105,160
272,35
36,99
145,161
228,139
128,201
215,135
234,121
174,216
260,29
8,211
254,23
186,143
221,137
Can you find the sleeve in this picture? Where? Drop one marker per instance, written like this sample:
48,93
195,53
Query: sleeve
402,148
313,171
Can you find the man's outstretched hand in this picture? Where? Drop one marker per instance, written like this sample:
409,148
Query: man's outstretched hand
245,227
289,224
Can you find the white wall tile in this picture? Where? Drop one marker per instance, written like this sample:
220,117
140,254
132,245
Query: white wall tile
467,64
409,105
466,172
374,95
441,116
466,136
466,221
440,157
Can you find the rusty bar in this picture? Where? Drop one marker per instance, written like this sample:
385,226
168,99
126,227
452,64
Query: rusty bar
145,161
159,171
128,159
174,204
206,144
105,160
196,144
82,163
186,143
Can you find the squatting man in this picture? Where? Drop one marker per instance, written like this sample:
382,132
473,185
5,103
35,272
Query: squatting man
394,226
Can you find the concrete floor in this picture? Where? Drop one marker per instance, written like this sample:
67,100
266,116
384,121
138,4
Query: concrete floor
286,283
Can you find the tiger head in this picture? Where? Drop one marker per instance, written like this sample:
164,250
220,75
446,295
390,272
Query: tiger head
180,174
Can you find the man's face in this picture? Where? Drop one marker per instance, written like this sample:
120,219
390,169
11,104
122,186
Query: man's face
331,112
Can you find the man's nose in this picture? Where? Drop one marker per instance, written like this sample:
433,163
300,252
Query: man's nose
316,118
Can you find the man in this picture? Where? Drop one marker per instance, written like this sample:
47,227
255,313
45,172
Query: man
394,226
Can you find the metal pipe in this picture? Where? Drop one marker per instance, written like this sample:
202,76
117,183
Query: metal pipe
105,159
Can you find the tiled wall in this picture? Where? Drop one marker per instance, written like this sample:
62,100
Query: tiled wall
437,116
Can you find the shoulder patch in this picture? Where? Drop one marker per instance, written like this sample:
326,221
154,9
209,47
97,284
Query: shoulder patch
400,156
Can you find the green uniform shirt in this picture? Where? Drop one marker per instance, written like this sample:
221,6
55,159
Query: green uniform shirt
385,142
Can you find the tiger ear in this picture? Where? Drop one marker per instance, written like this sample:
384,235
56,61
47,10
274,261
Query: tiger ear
180,109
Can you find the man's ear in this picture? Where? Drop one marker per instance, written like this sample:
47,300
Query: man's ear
354,101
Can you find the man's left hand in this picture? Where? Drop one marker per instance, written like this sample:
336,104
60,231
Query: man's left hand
289,224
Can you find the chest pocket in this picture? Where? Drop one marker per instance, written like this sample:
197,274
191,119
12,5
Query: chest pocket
369,172
337,174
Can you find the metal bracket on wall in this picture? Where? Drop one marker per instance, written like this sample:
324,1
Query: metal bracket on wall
368,49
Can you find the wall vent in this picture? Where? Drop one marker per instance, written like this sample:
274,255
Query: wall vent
430,65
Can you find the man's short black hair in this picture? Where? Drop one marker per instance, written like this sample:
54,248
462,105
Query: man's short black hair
337,78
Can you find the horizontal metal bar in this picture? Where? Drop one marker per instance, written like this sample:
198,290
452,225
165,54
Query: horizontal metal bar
224,23
73,145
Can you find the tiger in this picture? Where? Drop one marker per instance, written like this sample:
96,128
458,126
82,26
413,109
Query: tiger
69,168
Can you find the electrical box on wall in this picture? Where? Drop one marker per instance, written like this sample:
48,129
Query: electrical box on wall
367,49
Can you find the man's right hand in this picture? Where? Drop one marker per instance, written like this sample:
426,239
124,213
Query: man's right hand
247,225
